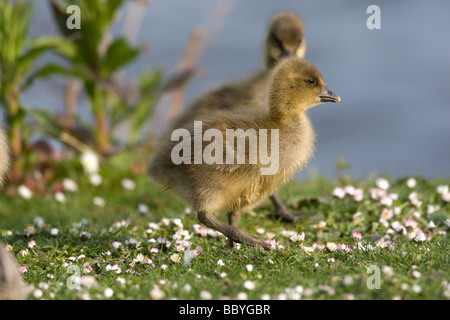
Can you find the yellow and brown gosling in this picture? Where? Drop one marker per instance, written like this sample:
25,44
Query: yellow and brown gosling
4,156
211,187
284,37
11,287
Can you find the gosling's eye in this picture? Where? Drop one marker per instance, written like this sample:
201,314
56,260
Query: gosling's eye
299,42
277,41
311,81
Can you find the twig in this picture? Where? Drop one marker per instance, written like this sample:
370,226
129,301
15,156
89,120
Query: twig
187,69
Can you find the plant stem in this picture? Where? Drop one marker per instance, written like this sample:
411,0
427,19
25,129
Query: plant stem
15,135
100,120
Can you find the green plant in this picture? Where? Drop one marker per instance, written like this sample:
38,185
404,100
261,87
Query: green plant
95,59
18,54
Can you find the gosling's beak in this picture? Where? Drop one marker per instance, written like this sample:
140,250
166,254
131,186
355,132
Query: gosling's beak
328,96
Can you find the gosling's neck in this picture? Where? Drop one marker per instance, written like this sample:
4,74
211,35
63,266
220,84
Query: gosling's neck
287,112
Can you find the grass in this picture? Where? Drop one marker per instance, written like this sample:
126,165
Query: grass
84,261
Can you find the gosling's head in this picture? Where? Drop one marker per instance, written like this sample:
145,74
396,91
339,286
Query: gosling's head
284,38
297,85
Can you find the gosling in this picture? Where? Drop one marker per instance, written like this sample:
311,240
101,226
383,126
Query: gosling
284,38
4,156
11,287
295,85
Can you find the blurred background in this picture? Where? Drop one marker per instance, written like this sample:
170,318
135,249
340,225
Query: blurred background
394,117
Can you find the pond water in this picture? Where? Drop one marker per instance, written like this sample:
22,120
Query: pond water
394,82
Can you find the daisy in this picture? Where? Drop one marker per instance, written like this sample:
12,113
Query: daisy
420,237
357,215
356,236
205,295
350,190
154,250
177,222
175,258
25,192
89,161
249,285
200,230
241,296
23,253
386,201
308,250
31,244
414,200
133,244
382,183
411,223
143,208
387,270
411,183
95,179
317,245
386,214
446,197
156,293
321,225
398,227
128,184
153,225
60,197
442,189
358,195
338,192
269,235
99,202
273,244
69,185
260,230
23,269
139,258
88,281
116,244
331,246
297,237
377,193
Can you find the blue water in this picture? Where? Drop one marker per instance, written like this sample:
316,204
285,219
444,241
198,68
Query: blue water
394,117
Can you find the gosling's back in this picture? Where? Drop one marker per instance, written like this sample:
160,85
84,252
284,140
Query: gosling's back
4,156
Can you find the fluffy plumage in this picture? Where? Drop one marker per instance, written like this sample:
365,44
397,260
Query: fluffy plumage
4,156
294,86
284,38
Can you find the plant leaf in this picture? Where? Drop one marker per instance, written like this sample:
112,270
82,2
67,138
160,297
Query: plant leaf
119,54
45,71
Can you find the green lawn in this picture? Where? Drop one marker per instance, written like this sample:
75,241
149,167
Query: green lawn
145,244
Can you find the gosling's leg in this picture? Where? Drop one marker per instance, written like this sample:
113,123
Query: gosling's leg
284,213
234,218
232,232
